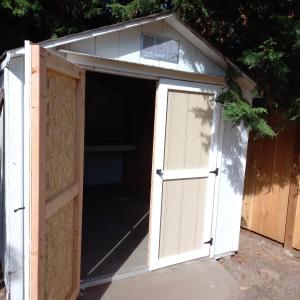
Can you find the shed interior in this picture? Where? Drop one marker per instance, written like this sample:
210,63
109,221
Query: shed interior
119,121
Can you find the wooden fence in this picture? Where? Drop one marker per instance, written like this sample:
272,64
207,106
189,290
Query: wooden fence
271,204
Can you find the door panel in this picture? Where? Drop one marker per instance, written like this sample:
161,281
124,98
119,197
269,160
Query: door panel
188,130
57,114
185,151
182,216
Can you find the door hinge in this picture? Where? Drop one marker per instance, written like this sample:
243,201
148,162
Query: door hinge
210,242
159,172
216,171
1,99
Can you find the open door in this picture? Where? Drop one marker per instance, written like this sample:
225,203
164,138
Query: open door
186,139
57,141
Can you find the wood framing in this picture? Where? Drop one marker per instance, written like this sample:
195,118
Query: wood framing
52,202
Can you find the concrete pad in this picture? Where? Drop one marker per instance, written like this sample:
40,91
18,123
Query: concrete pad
200,279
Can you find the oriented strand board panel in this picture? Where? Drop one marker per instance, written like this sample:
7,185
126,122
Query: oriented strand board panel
182,220
59,247
188,130
60,132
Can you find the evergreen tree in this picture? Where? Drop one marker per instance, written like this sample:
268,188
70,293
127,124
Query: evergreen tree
263,36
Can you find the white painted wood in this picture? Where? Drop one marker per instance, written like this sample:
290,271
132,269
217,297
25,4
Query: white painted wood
158,162
2,195
86,46
217,182
129,45
111,66
27,166
230,194
171,19
156,186
185,174
14,181
103,30
108,45
176,259
125,45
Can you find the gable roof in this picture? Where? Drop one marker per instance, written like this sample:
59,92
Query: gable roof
172,19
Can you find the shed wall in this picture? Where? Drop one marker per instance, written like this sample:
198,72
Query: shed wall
231,186
14,180
2,204
125,45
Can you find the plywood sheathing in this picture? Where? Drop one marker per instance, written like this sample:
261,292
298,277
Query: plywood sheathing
59,244
60,132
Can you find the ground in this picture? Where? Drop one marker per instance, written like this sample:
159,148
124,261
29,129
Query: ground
2,290
264,270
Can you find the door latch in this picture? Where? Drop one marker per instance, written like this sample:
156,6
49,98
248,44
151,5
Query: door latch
159,172
216,171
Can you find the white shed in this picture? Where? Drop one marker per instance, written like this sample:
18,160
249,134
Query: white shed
115,159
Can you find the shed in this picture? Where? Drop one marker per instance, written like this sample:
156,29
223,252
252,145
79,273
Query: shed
115,158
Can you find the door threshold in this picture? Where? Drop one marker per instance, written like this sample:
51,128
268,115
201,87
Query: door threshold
98,280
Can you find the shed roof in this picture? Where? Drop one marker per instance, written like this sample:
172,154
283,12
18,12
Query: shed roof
172,19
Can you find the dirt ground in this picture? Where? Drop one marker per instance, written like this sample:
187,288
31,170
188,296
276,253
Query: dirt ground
264,269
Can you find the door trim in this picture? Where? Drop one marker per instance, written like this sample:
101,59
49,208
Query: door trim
164,85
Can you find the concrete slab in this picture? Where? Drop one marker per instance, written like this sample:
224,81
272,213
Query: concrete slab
196,280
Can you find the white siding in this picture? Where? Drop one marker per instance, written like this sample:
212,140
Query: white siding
125,45
232,174
14,184
2,204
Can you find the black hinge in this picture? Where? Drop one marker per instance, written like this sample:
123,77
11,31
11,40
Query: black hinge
1,99
210,242
159,172
216,171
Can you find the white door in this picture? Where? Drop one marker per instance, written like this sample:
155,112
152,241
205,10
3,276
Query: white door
186,138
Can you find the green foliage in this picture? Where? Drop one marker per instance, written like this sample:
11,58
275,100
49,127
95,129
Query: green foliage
21,8
262,35
238,110
134,9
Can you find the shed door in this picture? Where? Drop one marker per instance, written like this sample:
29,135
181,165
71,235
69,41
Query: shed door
57,129
185,151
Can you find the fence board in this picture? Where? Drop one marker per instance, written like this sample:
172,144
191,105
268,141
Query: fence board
268,185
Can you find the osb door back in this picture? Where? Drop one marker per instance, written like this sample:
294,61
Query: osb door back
57,113
268,183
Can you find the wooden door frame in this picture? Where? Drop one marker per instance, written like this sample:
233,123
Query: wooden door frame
157,163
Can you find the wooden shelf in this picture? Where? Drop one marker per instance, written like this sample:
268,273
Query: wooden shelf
110,148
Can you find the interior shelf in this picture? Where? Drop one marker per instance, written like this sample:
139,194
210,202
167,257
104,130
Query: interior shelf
110,148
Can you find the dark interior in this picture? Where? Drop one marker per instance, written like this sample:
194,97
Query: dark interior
117,175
